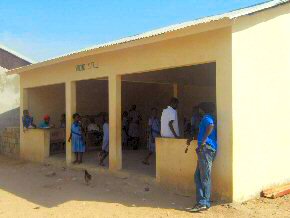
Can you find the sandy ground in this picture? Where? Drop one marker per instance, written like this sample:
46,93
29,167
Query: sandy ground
28,190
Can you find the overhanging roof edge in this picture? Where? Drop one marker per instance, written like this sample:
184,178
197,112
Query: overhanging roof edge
202,21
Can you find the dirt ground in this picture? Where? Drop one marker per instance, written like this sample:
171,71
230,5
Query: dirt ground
32,190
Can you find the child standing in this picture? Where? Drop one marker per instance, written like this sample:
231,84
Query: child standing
153,132
105,146
76,136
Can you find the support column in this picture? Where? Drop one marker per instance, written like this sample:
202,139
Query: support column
70,108
23,106
23,103
175,90
115,123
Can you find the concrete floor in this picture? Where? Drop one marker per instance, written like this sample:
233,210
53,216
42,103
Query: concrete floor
132,162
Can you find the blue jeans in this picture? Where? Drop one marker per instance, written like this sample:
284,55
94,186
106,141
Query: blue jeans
202,176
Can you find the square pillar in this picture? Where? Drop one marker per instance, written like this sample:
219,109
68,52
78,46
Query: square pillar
70,108
223,166
115,123
23,106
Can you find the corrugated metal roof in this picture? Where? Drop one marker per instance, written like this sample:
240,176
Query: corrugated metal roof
229,15
16,54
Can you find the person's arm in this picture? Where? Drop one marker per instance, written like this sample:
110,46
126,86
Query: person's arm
170,124
69,139
208,131
190,139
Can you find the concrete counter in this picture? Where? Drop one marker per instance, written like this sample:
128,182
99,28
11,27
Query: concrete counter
175,168
36,143
35,146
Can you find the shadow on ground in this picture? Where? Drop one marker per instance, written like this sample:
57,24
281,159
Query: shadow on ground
37,184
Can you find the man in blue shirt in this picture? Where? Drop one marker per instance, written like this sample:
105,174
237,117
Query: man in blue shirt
27,120
206,151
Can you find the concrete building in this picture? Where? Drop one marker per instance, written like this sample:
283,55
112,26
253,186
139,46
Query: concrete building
9,101
9,87
240,60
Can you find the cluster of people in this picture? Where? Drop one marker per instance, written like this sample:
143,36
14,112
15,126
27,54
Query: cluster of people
77,138
28,123
131,128
77,135
202,127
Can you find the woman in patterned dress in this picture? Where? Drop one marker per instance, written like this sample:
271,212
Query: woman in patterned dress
77,138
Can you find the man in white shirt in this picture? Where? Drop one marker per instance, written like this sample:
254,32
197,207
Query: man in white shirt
169,120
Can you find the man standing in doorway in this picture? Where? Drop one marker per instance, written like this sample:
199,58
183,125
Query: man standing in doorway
169,120
206,151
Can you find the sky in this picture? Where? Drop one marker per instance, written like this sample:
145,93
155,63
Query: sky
42,29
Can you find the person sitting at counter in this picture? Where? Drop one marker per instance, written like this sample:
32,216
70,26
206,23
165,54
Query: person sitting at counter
206,152
169,120
27,120
45,123
153,132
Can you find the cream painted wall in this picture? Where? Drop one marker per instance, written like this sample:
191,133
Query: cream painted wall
211,46
47,100
92,97
261,101
36,145
180,175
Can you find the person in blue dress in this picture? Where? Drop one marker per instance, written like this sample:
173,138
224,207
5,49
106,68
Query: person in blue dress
153,132
77,139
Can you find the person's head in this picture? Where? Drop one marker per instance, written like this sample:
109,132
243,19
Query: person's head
154,112
207,108
125,114
46,118
25,113
174,103
133,107
76,117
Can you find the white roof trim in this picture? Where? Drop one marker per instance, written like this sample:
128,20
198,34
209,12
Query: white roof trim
229,15
16,54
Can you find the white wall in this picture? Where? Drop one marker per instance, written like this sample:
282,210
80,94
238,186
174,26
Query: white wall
9,91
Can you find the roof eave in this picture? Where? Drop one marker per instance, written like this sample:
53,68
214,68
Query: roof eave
199,28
